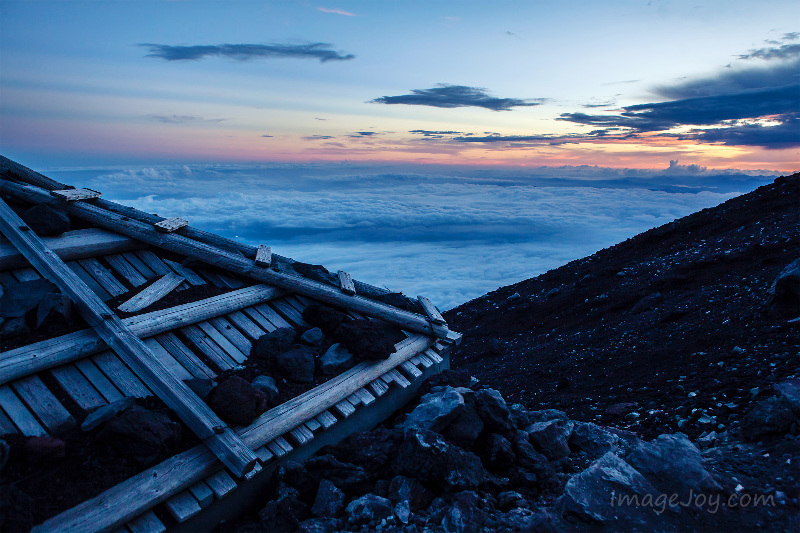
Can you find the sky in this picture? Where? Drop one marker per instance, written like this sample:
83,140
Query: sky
443,148
622,84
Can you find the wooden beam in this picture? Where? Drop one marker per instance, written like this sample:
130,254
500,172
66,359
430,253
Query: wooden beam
151,294
171,224
236,263
59,350
346,283
76,244
431,310
264,256
73,195
225,444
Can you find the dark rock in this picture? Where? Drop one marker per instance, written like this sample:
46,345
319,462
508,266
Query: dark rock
563,383
201,386
593,439
295,475
550,438
284,513
620,409
273,343
19,298
238,402
336,359
464,516
46,221
142,435
770,417
646,303
402,510
369,508
365,339
268,388
499,453
510,499
104,413
329,501
315,272
408,489
465,428
436,410
296,364
350,478
673,465
320,525
16,509
312,337
790,390
5,450
784,294
55,309
533,462
14,327
372,450
44,449
449,377
492,408
524,418
325,318
426,456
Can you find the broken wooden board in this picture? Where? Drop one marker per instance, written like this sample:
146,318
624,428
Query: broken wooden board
151,294
346,283
73,195
264,256
430,310
168,225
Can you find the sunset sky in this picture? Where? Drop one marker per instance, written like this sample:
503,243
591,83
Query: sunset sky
617,84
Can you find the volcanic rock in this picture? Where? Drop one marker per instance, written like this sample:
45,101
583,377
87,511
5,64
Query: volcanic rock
238,402
365,339
273,343
46,221
465,428
296,364
329,501
142,435
492,408
268,387
550,438
499,455
436,410
312,337
336,359
284,513
325,318
367,509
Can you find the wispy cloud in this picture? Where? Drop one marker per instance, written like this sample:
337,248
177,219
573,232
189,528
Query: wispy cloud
451,96
268,136
182,119
318,137
243,52
784,51
336,11
358,134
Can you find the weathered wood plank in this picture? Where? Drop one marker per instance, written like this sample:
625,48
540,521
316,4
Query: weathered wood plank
185,356
431,310
99,380
301,435
288,312
276,449
167,360
221,483
378,387
139,265
73,195
202,493
25,274
171,224
273,317
263,454
19,414
219,339
153,262
187,273
75,244
208,348
89,280
122,267
364,396
7,427
182,506
258,318
147,523
222,325
248,327
433,356
44,405
105,278
326,419
264,256
313,425
212,278
412,371
151,294
282,442
346,283
425,360
344,408
78,387
230,281
120,375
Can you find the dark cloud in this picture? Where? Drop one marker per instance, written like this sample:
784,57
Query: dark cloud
244,52
434,133
783,135
358,134
791,36
451,96
268,136
182,119
785,51
318,137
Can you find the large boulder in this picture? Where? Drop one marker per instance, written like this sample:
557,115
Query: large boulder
466,427
524,418
368,509
142,435
268,387
19,298
436,410
768,418
336,359
593,439
410,490
273,343
784,294
329,501
296,364
499,453
426,456
350,478
46,221
312,337
285,512
464,515
238,402
673,465
790,390
373,450
325,318
492,408
367,340
550,438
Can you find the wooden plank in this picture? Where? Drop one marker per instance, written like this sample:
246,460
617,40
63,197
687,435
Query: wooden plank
431,310
122,267
433,356
147,523
168,225
187,273
398,378
89,280
75,244
207,346
232,334
19,414
277,450
263,454
182,506
424,360
7,427
151,294
326,419
270,314
202,493
264,256
354,400
280,441
346,283
44,405
221,483
73,195
288,312
258,318
99,380
101,274
139,265
412,371
120,375
344,408
212,278
365,397
78,387
167,360
153,262
26,274
246,325
185,356
378,387
220,340
230,281
301,434
313,425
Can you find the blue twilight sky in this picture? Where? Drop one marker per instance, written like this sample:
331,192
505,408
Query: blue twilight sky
620,83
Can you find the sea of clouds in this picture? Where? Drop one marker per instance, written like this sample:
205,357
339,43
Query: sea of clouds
450,233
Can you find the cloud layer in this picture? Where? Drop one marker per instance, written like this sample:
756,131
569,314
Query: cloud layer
451,96
243,52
